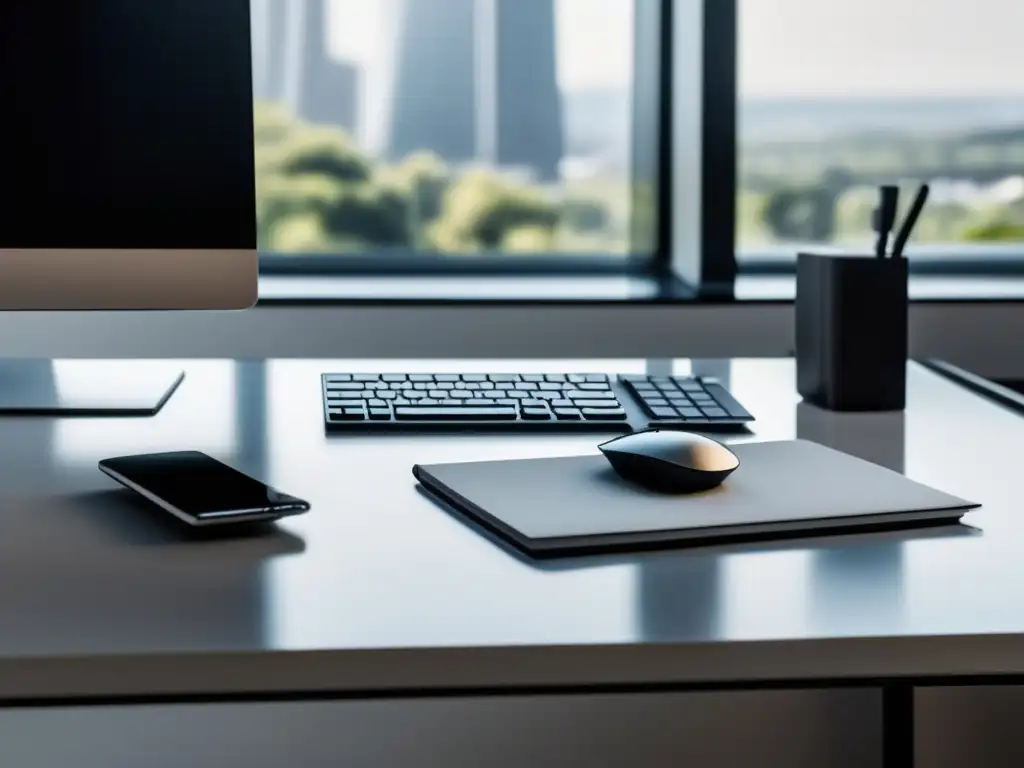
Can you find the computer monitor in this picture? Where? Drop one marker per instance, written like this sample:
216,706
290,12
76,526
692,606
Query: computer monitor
127,177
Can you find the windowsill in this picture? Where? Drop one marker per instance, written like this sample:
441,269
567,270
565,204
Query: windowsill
542,289
601,289
926,288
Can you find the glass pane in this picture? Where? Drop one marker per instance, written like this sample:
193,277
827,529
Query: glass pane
444,126
838,97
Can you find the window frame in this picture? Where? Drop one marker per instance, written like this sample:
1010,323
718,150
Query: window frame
712,258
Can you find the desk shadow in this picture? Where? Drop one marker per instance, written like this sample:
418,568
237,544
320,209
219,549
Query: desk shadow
132,520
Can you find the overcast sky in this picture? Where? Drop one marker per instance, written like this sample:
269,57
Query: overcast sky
882,47
595,38
788,47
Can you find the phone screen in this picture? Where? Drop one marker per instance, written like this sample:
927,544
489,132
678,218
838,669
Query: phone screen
199,486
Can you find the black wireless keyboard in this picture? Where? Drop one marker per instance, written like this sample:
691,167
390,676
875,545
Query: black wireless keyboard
370,402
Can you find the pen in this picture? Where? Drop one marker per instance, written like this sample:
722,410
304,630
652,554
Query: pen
885,217
907,229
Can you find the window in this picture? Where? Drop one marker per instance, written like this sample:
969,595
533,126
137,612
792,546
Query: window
427,129
838,97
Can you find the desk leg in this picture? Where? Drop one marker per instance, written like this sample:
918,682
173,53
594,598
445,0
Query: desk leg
898,725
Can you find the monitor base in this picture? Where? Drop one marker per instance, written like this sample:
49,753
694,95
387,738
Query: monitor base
69,388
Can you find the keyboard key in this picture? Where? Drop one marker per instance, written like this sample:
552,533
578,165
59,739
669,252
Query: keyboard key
428,401
471,386
446,377
596,404
679,402
475,377
604,414
484,401
449,402
461,394
691,386
380,414
386,395
594,378
348,414
600,395
577,378
664,413
344,403
342,387
592,387
728,402
536,414
402,401
336,377
446,385
550,387
569,414
555,377
487,385
515,394
393,377
715,413
420,377
690,413
366,377
528,386
657,402
561,403
548,395
533,403
504,377
438,394
415,394
506,401
456,414
378,404
366,394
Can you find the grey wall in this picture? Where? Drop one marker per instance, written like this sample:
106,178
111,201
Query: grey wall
982,337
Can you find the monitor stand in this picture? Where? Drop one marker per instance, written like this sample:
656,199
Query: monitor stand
85,387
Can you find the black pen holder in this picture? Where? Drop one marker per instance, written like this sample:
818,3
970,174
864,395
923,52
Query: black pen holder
851,332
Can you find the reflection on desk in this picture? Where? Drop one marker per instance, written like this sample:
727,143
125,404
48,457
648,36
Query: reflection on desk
377,567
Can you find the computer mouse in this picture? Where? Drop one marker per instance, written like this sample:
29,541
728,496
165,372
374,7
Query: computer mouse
669,461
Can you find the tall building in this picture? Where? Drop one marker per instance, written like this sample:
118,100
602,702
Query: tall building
273,48
435,82
529,125
296,66
477,81
329,88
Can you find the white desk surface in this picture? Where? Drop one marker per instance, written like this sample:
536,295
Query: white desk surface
378,589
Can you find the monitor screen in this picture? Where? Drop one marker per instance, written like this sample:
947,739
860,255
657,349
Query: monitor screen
126,124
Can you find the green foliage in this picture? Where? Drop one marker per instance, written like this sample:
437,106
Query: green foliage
585,216
994,232
481,210
324,152
318,192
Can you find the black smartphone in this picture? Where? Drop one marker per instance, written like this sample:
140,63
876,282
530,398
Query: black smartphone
201,490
